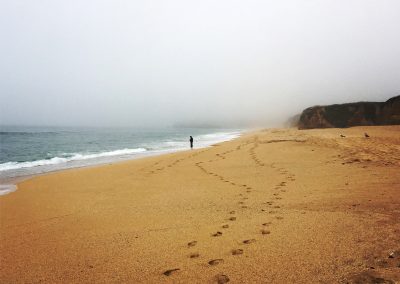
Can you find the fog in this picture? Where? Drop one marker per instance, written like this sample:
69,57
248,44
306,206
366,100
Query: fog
160,63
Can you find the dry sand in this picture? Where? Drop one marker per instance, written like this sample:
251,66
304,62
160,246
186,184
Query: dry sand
275,206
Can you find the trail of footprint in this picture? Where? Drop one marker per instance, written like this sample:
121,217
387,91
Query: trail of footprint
253,155
148,168
171,164
185,158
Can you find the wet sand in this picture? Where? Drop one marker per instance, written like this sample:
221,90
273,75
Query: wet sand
274,206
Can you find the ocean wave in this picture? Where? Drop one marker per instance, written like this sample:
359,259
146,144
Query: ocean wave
27,132
73,157
219,136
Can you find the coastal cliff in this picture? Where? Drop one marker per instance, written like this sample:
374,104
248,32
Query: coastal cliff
351,114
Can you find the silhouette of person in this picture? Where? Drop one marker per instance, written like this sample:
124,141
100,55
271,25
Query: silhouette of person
191,142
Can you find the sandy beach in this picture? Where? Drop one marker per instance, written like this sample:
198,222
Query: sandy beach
273,206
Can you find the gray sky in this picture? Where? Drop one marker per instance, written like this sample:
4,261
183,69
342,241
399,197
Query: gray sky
147,63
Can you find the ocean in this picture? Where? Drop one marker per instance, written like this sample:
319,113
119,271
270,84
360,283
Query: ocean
26,151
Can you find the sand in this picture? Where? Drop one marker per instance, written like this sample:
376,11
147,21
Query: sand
274,206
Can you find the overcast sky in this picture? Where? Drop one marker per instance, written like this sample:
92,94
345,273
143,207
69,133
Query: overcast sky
156,63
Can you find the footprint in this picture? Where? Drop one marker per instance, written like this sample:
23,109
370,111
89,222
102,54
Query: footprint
194,255
265,232
232,219
232,212
215,261
192,244
170,271
222,279
217,234
279,217
266,224
249,241
225,226
237,251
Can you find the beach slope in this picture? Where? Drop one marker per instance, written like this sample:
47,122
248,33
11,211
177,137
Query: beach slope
273,206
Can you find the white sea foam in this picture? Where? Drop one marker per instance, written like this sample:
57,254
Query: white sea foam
201,141
74,157
210,139
7,188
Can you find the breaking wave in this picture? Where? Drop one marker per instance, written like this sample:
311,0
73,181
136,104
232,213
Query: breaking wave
70,157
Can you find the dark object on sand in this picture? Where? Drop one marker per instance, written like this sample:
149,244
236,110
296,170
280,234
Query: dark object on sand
367,277
341,135
351,114
217,234
191,142
366,135
222,279
395,254
237,251
169,272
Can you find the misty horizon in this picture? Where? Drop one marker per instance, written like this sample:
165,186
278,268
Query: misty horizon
224,64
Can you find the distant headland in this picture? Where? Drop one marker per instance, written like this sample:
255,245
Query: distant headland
350,114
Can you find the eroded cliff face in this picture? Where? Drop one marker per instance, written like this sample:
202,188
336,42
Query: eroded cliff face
352,114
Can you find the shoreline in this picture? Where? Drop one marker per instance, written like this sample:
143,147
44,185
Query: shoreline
13,181
19,179
276,206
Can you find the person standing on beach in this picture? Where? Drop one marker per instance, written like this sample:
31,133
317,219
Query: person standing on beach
191,142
